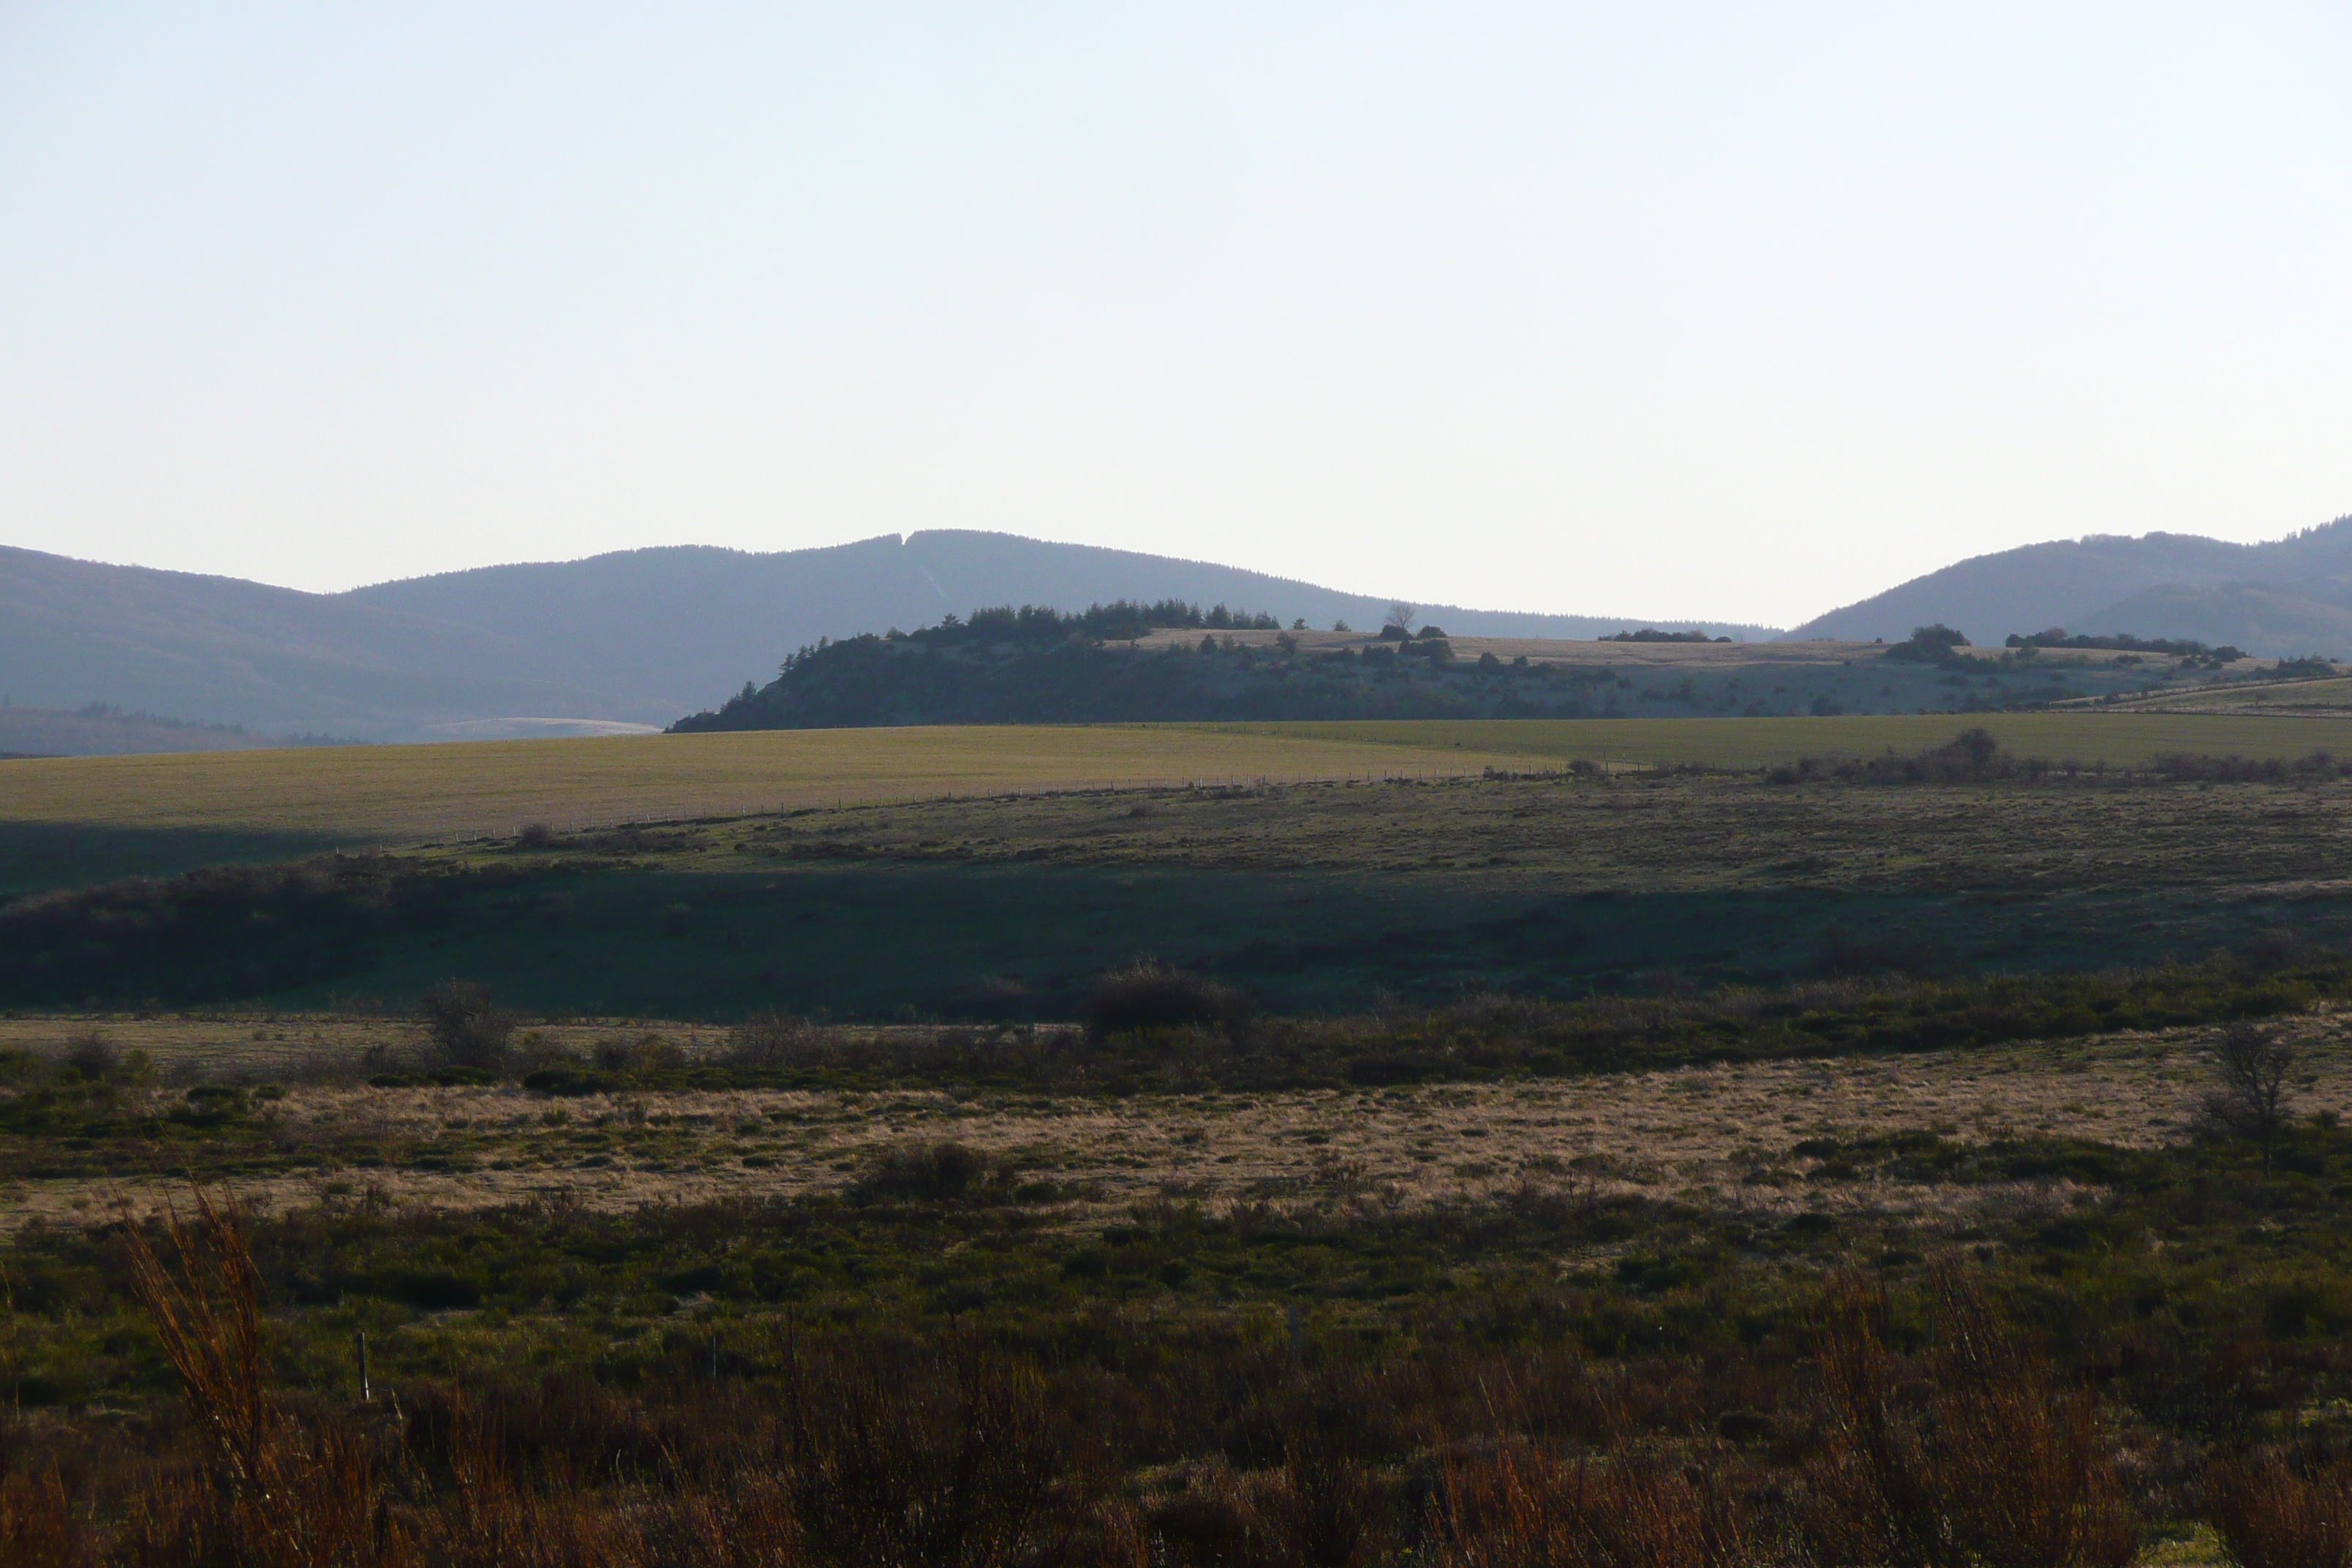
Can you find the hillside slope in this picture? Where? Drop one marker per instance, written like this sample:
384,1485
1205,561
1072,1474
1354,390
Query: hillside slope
223,651
2283,597
1037,666
692,623
637,638
96,731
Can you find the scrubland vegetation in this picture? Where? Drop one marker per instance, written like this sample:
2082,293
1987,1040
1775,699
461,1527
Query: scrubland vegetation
2017,1304
1840,1160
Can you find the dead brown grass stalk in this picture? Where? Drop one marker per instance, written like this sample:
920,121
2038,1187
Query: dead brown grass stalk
1517,1506
2270,1517
267,1493
1971,1457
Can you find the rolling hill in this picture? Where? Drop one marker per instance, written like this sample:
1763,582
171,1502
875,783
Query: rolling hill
2288,596
634,638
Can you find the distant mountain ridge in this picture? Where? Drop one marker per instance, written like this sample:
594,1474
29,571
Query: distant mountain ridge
643,638
639,637
2288,596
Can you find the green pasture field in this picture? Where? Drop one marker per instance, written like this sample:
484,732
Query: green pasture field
2084,735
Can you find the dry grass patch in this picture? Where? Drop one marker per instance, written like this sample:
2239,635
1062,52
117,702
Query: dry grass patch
1723,1137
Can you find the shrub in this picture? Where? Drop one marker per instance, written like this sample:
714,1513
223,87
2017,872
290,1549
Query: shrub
946,1457
1652,634
92,1055
466,1027
1972,756
772,1039
1971,1457
940,1173
648,1052
1318,1509
37,1522
1929,645
1516,1506
1152,995
2252,1062
2268,1517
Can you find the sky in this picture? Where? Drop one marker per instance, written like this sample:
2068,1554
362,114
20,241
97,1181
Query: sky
1727,310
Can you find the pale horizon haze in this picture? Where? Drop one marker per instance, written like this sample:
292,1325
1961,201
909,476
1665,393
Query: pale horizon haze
1698,311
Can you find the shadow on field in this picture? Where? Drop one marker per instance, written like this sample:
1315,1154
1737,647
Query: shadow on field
36,857
1015,941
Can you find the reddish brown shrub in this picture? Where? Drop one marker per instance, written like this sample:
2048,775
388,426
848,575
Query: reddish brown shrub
2270,1517
1516,1507
1969,1457
38,1526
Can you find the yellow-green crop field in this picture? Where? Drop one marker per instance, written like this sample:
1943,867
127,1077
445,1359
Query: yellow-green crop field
2086,735
407,792
385,792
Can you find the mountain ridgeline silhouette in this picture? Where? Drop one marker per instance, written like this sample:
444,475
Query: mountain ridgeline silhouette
636,637
2283,597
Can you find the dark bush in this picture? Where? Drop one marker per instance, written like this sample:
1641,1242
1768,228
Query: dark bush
1929,645
432,1290
1152,995
93,1056
648,1052
771,1040
567,1080
1651,634
940,1173
466,1028
1972,756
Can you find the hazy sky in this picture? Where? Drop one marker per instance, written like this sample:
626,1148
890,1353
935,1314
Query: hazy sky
1740,310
